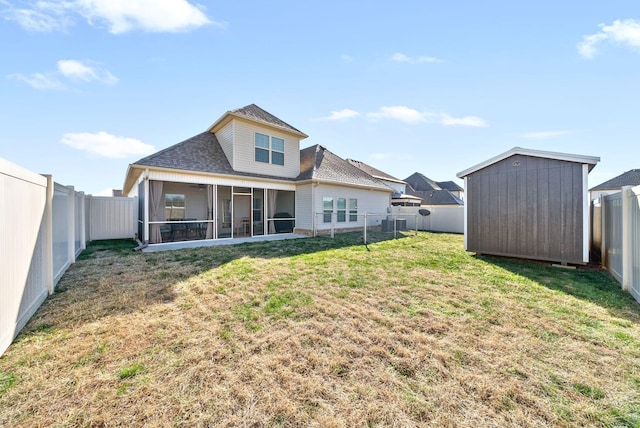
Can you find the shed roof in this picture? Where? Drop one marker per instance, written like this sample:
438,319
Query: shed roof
318,163
629,178
256,114
588,160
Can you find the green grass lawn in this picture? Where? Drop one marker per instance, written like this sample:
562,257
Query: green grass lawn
325,332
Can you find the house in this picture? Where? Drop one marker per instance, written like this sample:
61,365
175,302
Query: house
629,178
434,192
529,204
399,197
246,176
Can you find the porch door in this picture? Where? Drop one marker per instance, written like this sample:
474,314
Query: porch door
241,212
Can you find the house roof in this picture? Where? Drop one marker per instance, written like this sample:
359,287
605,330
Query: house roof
256,114
588,160
450,186
437,197
318,163
420,182
200,153
629,178
374,172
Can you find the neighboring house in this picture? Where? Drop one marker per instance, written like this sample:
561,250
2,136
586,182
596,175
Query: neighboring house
399,197
629,178
434,192
246,176
529,204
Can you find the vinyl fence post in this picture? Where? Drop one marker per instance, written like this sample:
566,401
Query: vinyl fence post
48,234
83,221
603,231
627,261
71,225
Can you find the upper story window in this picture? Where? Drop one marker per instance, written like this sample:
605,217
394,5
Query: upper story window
269,149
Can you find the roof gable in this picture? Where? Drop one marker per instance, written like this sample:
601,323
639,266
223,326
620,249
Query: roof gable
256,114
318,163
629,178
588,160
421,183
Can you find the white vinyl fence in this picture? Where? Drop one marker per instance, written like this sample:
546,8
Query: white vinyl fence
43,227
441,218
619,237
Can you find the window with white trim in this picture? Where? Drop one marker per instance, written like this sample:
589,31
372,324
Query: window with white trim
269,149
341,210
327,209
353,210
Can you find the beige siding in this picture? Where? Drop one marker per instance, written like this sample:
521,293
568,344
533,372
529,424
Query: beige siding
225,138
304,217
244,151
369,201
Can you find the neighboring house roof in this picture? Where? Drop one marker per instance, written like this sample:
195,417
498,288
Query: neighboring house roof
200,153
629,178
437,197
591,161
374,172
421,183
256,114
318,163
450,186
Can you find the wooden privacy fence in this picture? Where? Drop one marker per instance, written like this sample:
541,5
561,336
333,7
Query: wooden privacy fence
43,227
619,236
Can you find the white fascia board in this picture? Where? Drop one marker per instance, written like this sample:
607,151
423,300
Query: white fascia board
588,160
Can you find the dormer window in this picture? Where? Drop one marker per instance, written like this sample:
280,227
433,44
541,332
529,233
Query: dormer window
269,149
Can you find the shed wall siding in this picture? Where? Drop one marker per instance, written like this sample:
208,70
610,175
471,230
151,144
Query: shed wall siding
244,151
529,207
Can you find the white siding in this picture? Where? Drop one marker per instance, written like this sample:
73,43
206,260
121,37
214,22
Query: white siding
304,216
369,201
225,138
244,151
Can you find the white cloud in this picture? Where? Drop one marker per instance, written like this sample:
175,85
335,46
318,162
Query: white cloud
77,70
119,16
412,116
71,69
106,145
402,58
401,113
625,32
543,135
343,114
44,81
474,121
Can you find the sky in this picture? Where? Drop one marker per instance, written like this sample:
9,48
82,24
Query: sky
88,87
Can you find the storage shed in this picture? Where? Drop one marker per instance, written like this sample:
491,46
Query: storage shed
529,204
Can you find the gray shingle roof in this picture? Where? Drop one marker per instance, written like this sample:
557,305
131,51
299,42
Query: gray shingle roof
201,153
450,186
436,197
254,112
421,183
374,172
318,163
629,178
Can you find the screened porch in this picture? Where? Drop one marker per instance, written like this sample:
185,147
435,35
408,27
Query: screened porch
186,212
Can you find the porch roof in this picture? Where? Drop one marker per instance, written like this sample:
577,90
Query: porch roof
201,153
